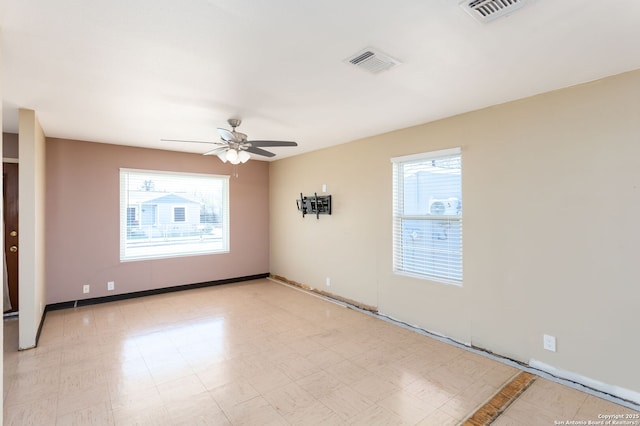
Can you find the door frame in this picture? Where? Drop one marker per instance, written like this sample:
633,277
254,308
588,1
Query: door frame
15,309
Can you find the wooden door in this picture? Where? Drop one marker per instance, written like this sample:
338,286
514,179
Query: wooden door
10,193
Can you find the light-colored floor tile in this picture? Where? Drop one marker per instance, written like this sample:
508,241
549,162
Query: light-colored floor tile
432,392
256,353
298,367
347,372
181,389
377,416
319,384
469,400
346,402
39,411
219,373
82,398
324,358
151,416
560,401
232,394
131,406
499,375
199,409
593,406
530,414
507,420
95,414
269,379
289,399
256,411
374,388
408,407
438,418
546,402
32,386
315,413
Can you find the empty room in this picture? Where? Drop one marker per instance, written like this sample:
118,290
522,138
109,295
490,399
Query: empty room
339,213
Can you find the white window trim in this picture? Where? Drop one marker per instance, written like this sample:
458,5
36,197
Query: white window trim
123,217
398,200
427,155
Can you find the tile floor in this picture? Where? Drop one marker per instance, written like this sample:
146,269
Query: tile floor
256,353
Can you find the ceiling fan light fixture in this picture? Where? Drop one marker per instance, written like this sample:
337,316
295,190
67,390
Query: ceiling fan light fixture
232,156
235,147
243,156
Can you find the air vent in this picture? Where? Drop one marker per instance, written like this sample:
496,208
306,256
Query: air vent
372,61
488,10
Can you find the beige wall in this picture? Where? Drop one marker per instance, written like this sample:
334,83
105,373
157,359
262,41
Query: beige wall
551,189
83,221
31,205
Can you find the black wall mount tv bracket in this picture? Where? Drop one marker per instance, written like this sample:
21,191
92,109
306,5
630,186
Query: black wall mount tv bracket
314,204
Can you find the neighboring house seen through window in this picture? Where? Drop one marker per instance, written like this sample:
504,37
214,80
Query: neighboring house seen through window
132,217
167,214
427,216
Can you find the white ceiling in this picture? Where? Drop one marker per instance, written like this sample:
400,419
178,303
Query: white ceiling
133,72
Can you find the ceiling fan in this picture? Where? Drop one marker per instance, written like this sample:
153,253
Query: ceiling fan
234,146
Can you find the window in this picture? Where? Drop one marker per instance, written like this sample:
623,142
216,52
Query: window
178,214
166,214
427,216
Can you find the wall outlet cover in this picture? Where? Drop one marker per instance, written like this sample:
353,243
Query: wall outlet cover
549,342
85,288
111,285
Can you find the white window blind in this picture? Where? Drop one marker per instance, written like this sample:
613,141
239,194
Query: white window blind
427,216
167,214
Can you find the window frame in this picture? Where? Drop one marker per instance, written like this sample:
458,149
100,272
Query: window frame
399,216
214,244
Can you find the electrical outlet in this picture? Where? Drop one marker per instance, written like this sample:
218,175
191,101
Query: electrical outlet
549,343
111,285
85,288
324,187
328,282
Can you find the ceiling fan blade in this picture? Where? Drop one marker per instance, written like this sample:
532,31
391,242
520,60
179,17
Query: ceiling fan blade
225,135
272,143
216,151
181,140
259,151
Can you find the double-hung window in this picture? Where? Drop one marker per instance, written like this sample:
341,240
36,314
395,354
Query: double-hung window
427,216
168,214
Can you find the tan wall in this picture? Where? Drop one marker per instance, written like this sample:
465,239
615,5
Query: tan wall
31,238
551,190
83,221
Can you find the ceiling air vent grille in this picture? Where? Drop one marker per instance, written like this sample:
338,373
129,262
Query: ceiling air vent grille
372,61
488,10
